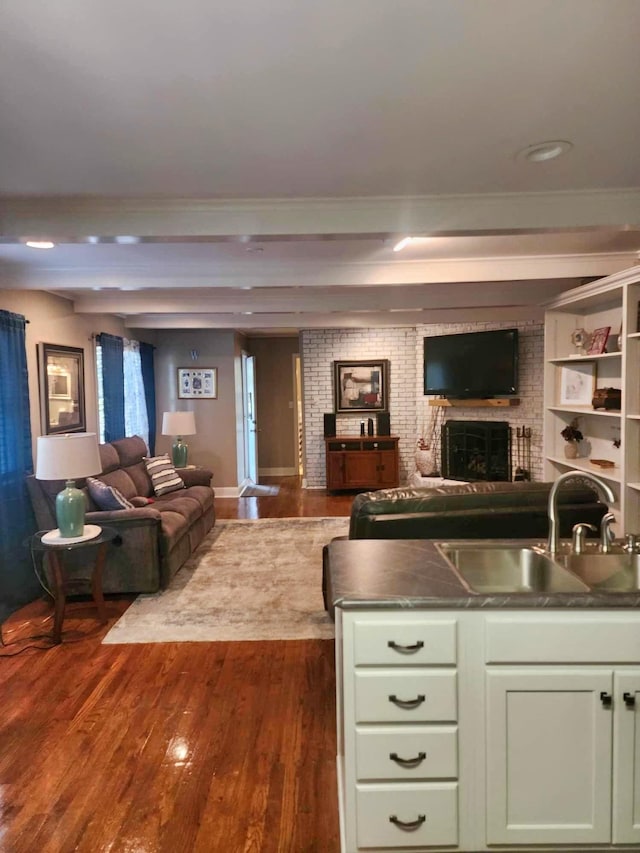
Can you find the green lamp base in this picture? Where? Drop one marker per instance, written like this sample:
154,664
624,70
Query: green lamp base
179,452
70,510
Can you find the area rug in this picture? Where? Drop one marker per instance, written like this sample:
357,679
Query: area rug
248,580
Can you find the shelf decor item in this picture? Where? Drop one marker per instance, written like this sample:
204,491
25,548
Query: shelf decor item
579,338
577,384
598,340
572,434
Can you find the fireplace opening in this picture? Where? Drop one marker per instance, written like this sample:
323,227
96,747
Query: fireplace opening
476,450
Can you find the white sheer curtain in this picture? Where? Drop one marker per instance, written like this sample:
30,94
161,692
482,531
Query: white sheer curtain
136,421
135,407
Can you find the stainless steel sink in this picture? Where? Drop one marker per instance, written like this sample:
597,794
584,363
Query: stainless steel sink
489,567
613,572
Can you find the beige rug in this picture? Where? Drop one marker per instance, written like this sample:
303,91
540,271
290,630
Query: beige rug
248,580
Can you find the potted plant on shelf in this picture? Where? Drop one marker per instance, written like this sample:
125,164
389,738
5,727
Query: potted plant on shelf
572,435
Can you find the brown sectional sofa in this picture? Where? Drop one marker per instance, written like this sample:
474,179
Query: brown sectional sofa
155,539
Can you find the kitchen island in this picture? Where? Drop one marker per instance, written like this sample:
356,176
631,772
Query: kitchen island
474,721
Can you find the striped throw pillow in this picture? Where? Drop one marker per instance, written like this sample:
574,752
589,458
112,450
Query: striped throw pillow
163,475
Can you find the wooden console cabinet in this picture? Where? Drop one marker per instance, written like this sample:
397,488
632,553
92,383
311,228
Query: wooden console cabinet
362,462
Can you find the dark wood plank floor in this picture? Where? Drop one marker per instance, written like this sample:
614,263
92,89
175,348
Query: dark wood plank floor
172,747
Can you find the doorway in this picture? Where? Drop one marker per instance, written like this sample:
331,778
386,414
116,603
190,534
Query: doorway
249,418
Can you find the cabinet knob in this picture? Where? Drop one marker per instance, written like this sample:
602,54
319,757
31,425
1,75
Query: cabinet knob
629,700
605,698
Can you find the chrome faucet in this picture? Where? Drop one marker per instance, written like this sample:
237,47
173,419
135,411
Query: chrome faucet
607,535
601,487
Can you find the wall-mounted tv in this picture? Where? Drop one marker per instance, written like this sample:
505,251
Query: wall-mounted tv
472,364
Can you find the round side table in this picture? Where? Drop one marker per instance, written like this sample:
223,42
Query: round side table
61,583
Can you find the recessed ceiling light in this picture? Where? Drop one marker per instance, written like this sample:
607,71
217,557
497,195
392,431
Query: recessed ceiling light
401,245
40,244
543,151
127,240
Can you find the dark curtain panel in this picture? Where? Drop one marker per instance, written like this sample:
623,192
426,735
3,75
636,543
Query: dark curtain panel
112,386
17,581
148,378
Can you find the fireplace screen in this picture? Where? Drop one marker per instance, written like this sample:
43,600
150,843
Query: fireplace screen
476,450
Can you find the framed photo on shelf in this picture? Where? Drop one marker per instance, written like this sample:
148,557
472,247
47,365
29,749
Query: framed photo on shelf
598,340
200,384
360,386
577,384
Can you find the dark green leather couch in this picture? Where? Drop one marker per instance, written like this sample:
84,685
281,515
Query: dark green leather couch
467,511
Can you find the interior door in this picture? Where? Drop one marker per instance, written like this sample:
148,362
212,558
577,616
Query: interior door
250,422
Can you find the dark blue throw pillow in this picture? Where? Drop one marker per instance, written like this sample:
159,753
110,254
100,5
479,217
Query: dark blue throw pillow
106,497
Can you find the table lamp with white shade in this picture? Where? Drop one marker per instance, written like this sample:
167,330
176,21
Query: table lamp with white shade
179,424
67,457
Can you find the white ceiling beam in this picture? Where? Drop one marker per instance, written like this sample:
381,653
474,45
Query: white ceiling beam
59,217
316,274
411,297
342,320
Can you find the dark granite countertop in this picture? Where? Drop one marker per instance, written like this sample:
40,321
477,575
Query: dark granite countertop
411,573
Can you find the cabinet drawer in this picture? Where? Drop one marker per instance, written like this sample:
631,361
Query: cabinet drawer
597,638
406,696
344,445
432,809
386,642
419,752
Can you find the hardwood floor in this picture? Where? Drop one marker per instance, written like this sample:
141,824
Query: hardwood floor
168,748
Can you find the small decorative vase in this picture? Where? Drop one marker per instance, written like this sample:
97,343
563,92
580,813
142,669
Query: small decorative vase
424,462
571,450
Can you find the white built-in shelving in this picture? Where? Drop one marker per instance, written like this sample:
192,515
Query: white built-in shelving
611,301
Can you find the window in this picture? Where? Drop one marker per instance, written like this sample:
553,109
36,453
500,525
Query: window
125,400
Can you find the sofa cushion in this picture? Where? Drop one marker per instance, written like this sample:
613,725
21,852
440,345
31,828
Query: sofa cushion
130,450
106,497
163,475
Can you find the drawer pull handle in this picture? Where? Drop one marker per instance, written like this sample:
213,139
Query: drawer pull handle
407,703
408,824
405,650
629,700
408,762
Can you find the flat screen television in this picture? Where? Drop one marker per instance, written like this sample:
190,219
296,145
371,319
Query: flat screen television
472,364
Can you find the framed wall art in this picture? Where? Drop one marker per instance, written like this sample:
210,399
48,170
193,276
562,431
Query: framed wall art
197,384
577,384
61,380
360,386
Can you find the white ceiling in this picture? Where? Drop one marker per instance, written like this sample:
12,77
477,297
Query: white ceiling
269,156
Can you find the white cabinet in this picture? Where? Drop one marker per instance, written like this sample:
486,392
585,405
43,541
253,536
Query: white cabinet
612,301
548,756
398,731
478,730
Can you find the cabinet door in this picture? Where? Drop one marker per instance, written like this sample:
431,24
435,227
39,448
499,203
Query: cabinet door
626,761
549,748
388,474
335,470
361,468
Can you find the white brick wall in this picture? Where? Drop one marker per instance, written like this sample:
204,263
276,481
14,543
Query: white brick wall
410,413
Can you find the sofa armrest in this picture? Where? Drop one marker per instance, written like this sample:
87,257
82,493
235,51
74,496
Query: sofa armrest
195,476
124,517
